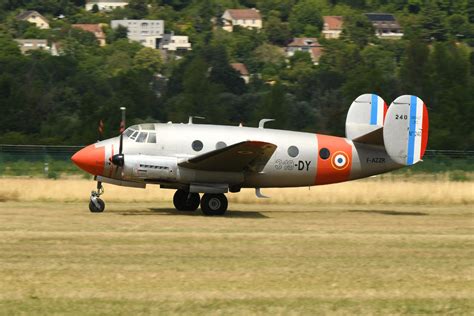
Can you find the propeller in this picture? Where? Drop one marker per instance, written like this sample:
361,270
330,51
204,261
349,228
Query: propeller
118,159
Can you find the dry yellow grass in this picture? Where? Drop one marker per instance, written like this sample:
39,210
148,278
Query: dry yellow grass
365,192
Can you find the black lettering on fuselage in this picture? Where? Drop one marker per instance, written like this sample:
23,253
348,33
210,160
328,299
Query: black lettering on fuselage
302,165
375,160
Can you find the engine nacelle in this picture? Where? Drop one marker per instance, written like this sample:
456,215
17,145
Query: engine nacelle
150,167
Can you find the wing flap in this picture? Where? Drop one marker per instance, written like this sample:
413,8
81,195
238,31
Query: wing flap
243,156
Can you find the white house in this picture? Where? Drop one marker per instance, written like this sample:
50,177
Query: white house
95,29
242,70
305,44
27,45
175,43
248,18
386,26
146,32
106,5
34,17
332,26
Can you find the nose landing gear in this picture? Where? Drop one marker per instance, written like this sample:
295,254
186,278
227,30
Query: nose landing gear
96,204
211,204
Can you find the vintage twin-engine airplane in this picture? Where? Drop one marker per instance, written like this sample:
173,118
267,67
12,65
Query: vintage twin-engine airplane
212,159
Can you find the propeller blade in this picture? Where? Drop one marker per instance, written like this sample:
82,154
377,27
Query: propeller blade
122,129
119,158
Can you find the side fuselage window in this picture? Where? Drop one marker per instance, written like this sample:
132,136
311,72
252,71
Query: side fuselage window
152,138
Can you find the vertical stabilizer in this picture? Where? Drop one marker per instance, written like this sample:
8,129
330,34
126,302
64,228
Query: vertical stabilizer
366,116
405,132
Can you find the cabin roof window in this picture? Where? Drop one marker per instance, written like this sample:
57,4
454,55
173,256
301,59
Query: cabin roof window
148,126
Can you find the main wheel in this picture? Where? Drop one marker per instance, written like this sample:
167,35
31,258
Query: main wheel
94,209
214,204
185,201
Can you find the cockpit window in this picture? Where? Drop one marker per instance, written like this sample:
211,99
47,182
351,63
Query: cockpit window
128,132
134,135
152,138
142,137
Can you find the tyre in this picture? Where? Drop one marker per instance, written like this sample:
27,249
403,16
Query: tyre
94,209
185,201
214,204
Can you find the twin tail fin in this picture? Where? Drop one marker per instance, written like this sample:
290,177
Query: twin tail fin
402,128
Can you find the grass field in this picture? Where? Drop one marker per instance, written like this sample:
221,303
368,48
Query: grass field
358,258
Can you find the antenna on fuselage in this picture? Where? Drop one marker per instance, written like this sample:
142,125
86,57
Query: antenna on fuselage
190,121
262,122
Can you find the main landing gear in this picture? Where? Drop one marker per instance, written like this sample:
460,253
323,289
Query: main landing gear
211,204
97,205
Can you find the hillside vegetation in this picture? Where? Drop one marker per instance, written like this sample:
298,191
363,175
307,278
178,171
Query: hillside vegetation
60,99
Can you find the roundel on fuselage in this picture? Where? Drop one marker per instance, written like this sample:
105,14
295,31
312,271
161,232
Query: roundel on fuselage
336,167
340,160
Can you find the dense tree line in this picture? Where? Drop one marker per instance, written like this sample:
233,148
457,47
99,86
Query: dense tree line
61,99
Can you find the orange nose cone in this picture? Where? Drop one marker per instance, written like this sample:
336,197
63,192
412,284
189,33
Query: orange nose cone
90,159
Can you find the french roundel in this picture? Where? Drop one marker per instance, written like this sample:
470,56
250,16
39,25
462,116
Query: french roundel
340,160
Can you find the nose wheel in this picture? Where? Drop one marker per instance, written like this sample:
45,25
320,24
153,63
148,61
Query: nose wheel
96,204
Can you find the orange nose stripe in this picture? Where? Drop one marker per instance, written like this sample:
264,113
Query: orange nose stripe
90,159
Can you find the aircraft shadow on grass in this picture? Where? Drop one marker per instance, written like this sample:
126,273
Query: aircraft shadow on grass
393,213
173,212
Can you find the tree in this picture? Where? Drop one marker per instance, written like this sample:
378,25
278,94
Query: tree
358,30
470,10
221,73
282,7
148,59
274,105
278,32
8,47
458,25
376,73
414,72
306,18
138,9
120,32
432,23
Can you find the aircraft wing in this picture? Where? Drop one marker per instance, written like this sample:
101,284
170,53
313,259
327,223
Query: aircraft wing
243,156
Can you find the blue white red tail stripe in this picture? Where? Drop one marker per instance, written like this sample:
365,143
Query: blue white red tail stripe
411,130
374,108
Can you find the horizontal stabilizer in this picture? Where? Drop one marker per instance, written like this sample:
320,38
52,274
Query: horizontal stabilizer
372,138
405,132
366,115
243,156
